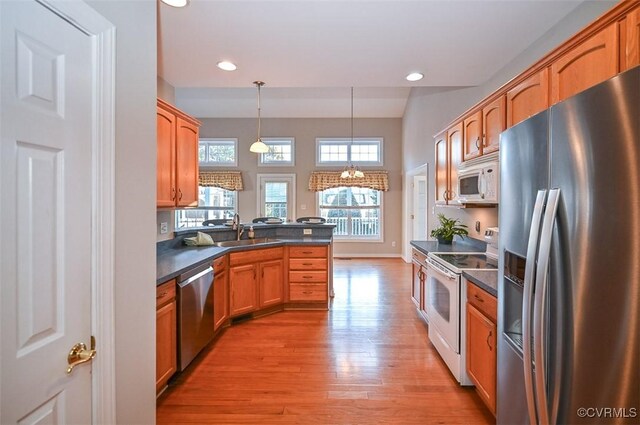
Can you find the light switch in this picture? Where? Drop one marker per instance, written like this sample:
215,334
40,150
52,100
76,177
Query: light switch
306,231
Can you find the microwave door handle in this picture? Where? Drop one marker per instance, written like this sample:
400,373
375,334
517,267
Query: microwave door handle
529,272
539,313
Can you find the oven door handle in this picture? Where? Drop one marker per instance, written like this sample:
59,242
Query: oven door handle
440,269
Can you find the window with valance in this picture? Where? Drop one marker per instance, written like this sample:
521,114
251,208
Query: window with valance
321,180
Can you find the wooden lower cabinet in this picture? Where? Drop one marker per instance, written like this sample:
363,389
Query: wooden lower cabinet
308,274
481,346
243,286
220,292
166,328
271,283
255,280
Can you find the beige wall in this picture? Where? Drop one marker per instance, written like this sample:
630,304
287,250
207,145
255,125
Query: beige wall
305,131
135,255
166,91
429,111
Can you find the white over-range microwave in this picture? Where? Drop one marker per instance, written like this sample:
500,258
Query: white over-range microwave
479,183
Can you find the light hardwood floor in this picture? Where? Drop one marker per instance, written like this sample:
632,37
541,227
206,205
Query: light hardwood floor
366,361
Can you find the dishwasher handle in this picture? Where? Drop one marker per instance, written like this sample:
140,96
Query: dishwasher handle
184,283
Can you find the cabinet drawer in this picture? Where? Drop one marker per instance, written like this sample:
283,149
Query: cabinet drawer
418,256
307,292
311,276
307,251
219,265
308,264
165,292
483,301
255,255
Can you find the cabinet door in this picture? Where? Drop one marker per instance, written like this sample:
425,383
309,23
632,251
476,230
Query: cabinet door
630,40
481,355
220,299
493,123
472,146
416,284
271,283
528,98
441,169
166,344
243,286
186,163
589,63
454,137
166,159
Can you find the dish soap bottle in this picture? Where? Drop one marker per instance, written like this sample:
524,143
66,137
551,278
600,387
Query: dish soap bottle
251,233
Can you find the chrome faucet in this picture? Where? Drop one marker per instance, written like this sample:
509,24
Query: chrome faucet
239,228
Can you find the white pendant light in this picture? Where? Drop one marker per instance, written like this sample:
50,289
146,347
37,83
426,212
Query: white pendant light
351,171
258,146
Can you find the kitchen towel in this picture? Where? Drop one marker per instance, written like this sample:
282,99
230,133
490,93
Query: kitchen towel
200,239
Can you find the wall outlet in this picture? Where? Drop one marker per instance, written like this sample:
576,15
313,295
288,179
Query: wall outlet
306,231
164,227
303,206
393,244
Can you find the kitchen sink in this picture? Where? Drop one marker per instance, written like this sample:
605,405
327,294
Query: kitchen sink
245,242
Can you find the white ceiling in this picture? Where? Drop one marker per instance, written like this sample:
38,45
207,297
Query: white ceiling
309,52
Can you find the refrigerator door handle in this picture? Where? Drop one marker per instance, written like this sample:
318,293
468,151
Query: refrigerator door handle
539,313
532,249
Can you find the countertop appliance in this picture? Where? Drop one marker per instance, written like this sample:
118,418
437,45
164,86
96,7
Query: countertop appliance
569,264
446,301
195,313
479,182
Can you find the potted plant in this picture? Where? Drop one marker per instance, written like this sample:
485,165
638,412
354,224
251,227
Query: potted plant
449,227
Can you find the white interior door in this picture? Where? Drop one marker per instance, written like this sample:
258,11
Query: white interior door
419,207
47,133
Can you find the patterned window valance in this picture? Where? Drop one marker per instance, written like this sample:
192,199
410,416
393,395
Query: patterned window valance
321,180
230,180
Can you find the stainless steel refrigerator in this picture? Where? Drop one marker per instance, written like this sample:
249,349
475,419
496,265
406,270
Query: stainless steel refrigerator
569,263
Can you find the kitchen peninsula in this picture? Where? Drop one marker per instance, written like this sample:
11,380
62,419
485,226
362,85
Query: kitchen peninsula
286,266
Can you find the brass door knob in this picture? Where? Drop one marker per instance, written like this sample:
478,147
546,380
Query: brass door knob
79,354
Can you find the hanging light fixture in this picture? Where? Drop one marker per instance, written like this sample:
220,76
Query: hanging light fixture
351,171
259,146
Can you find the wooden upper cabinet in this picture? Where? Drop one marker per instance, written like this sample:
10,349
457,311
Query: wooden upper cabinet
441,169
187,163
528,98
472,146
454,139
493,123
589,63
630,40
166,158
177,158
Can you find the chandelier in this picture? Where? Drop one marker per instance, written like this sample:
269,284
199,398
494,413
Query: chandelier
351,171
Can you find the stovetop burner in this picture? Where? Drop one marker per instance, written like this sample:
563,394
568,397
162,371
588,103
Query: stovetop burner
466,261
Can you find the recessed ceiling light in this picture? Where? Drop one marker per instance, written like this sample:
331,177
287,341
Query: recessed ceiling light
227,66
415,76
176,3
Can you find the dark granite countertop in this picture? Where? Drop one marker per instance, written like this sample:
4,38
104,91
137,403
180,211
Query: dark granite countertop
172,262
484,279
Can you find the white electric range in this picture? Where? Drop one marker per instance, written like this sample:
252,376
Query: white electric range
447,298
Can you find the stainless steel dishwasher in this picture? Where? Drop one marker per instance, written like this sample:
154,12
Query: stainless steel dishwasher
195,313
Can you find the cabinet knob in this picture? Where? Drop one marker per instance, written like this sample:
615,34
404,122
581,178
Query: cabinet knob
173,193
488,340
